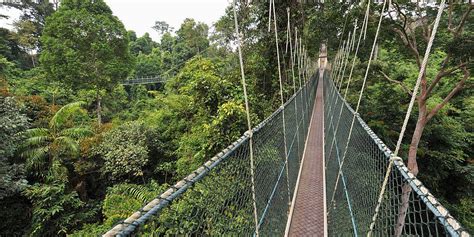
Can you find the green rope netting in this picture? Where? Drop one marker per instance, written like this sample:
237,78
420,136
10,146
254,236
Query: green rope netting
220,203
350,211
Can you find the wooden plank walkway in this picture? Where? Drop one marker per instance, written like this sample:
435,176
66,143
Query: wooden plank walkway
307,218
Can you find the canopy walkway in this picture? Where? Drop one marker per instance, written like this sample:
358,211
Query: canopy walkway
144,81
312,168
220,192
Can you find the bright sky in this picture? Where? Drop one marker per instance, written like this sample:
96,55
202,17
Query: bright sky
140,15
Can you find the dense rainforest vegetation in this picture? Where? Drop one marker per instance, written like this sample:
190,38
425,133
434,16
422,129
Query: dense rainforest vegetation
79,151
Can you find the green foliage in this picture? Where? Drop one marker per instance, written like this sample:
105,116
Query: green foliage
12,122
207,139
47,149
85,46
142,45
148,65
124,159
200,80
120,201
55,211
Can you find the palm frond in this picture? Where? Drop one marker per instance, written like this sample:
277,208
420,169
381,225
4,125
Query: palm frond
35,132
36,158
138,192
76,132
64,112
68,144
35,141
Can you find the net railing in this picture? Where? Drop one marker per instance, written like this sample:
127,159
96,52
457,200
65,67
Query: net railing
216,199
352,204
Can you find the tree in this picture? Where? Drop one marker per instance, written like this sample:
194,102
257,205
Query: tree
35,12
124,160
162,27
26,38
200,79
413,30
47,149
148,65
143,45
192,39
85,46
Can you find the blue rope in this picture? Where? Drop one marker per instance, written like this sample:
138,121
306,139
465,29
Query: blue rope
344,185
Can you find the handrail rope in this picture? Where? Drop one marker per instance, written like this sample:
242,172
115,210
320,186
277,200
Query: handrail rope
407,116
343,59
360,97
333,93
366,20
281,97
420,75
288,40
249,122
298,59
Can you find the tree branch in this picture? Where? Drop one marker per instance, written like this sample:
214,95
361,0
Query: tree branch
463,21
406,40
450,17
442,73
453,92
404,87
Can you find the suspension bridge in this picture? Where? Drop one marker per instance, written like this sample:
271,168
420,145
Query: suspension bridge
144,81
312,168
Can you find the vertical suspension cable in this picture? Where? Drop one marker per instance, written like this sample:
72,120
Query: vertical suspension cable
366,20
360,98
301,68
348,82
405,122
340,62
249,122
346,59
281,98
339,77
288,40
350,75
294,58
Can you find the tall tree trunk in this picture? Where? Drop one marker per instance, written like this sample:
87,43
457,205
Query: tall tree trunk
99,108
33,60
412,165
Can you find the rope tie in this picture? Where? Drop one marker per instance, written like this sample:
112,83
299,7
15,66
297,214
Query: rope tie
249,122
